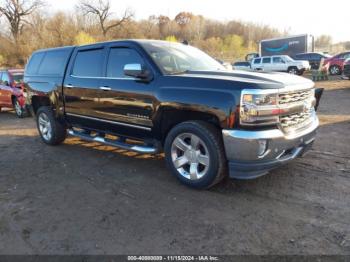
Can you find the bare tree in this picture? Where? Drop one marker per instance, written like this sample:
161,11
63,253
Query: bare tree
102,9
16,11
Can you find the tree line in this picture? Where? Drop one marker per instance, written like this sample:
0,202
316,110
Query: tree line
26,26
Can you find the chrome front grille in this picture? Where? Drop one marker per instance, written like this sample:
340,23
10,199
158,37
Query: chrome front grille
293,97
296,120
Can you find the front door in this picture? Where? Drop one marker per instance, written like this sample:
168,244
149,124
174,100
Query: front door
278,64
5,91
125,101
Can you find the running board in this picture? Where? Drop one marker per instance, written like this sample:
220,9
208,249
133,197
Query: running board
110,142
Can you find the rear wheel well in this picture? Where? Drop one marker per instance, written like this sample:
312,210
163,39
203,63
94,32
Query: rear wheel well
39,101
171,118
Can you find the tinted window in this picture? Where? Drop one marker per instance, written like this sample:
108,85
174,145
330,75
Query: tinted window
118,58
315,56
54,63
17,78
34,63
257,61
89,63
5,77
266,60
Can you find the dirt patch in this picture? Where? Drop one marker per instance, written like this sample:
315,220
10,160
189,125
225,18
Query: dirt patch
84,198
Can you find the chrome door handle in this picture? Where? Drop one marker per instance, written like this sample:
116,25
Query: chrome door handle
105,88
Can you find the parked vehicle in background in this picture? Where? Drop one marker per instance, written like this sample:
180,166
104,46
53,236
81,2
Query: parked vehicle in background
150,96
241,66
282,63
336,63
12,92
289,45
313,58
346,69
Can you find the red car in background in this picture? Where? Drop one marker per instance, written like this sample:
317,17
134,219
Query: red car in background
12,93
336,63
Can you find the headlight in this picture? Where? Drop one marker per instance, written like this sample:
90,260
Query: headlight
259,107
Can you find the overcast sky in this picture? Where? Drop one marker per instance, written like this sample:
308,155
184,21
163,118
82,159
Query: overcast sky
300,16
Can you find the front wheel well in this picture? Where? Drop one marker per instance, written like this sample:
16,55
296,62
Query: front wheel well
171,118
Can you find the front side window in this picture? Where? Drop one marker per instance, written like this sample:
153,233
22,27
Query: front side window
266,60
89,63
174,58
118,58
277,60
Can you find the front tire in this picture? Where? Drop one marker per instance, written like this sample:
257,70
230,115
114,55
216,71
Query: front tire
51,131
194,152
20,111
335,70
293,70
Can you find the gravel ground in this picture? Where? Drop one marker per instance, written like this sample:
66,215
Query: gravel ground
84,198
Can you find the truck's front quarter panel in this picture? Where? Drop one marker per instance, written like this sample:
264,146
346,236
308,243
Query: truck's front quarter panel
184,95
290,130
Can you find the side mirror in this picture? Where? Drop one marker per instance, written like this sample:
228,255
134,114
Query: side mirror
137,71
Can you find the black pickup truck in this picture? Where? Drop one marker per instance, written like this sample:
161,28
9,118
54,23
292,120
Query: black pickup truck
153,96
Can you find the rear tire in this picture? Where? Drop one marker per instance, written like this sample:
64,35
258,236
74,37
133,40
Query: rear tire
194,152
51,131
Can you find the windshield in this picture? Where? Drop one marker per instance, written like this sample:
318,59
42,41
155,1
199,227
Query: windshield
288,58
17,78
175,58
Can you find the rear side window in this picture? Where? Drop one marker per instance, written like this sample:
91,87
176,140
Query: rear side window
257,61
118,58
89,63
266,60
54,63
34,63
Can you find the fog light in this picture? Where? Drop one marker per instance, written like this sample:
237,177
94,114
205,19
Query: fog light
262,147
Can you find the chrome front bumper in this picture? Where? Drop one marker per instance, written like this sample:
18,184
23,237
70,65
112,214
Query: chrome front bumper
246,158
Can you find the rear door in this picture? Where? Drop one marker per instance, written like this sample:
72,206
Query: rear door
82,85
266,64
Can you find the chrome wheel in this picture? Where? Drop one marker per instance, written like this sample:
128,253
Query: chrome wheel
293,71
45,126
335,70
190,156
18,108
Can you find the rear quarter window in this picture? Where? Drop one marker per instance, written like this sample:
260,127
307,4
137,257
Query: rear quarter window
54,63
34,63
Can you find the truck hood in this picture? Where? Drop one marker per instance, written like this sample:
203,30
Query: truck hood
260,80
